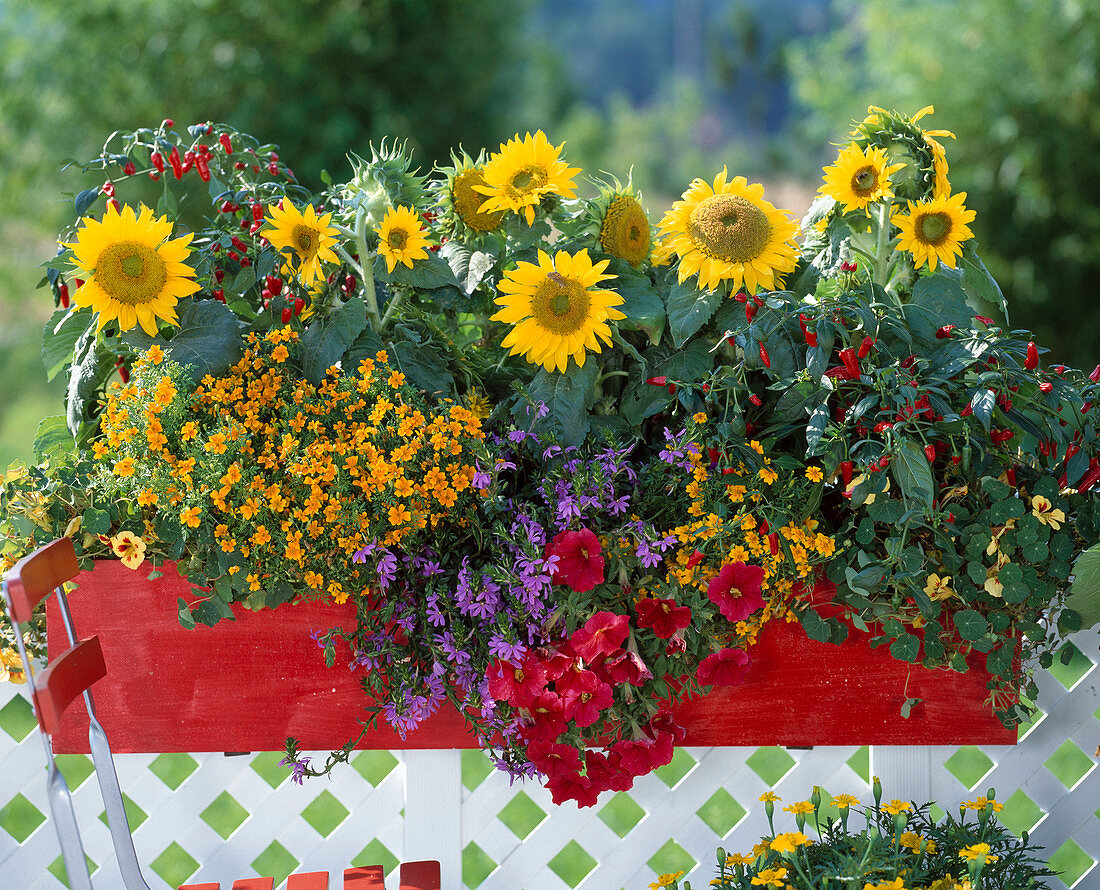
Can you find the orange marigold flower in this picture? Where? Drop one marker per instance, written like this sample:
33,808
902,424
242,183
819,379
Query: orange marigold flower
191,517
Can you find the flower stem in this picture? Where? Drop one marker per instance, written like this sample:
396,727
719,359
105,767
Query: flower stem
882,260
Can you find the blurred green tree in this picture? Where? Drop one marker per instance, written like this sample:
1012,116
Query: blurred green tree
317,76
1018,81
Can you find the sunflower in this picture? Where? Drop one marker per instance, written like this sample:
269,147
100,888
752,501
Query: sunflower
933,230
401,237
860,176
624,227
302,235
134,272
517,177
904,140
729,232
461,203
556,309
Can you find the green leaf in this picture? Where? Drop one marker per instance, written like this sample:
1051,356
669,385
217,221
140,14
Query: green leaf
426,273
567,396
53,438
970,625
325,341
89,372
982,405
937,301
816,627
815,429
641,400
208,340
689,309
96,522
85,199
1084,593
978,283
905,648
184,611
641,303
909,703
468,267
60,336
425,365
999,660
912,473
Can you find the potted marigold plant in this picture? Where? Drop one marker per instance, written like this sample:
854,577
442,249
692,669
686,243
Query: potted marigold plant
567,470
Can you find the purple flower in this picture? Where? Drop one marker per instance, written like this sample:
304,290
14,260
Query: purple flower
387,569
517,436
501,648
362,553
297,768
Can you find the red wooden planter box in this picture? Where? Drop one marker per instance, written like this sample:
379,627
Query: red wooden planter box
248,684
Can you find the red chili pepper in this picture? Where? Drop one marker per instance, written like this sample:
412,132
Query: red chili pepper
219,274
203,168
846,467
1031,361
809,336
750,311
63,294
1091,477
756,400
129,169
1059,369
258,212
157,160
219,295
1045,386
741,296
174,160
1071,449
764,357
930,452
967,411
763,528
1095,375
1085,408
226,144
851,363
695,558
883,425
883,462
657,381
288,314
273,168
865,347
672,389
245,262
114,205
944,332
773,543
188,160
984,320
759,301
299,305
706,387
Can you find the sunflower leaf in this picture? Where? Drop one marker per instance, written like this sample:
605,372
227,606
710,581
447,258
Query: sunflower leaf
689,309
641,303
207,341
59,338
89,372
430,272
325,342
977,282
567,398
937,301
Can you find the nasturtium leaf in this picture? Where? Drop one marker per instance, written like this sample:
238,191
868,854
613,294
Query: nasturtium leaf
814,625
1084,594
53,438
970,625
905,648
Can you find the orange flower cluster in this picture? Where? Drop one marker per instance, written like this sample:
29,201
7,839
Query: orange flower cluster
732,504
286,478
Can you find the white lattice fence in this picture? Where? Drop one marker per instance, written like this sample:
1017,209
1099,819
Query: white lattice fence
214,817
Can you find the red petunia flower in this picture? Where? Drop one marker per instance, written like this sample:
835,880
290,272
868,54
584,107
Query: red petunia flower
580,562
736,590
664,616
725,668
601,634
584,707
626,667
518,686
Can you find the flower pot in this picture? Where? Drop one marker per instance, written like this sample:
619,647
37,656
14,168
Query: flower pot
246,685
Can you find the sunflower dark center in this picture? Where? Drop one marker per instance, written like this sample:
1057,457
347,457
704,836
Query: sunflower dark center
561,305
397,239
526,180
625,230
729,228
306,240
467,202
865,181
933,228
131,272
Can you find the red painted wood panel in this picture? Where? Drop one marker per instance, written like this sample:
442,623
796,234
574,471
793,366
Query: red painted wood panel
247,685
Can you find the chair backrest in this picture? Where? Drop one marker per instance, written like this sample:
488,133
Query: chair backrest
68,676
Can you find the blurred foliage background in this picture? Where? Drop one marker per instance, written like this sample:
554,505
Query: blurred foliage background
671,88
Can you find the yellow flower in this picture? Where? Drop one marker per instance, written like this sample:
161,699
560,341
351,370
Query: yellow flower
280,354
938,588
726,231
699,417
896,807
666,880
191,517
789,842
624,231
11,667
155,354
860,176
125,467
770,877
302,236
977,851
556,309
129,548
845,801
933,231
738,859
401,238
982,803
134,273
767,475
770,796
522,172
815,474
1041,510
800,806
465,201
896,884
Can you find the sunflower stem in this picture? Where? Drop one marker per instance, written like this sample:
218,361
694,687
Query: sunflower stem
395,302
366,269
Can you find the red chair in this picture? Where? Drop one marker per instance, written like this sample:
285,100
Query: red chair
70,675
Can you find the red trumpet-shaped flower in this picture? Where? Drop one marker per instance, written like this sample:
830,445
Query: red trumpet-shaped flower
736,590
580,561
725,668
